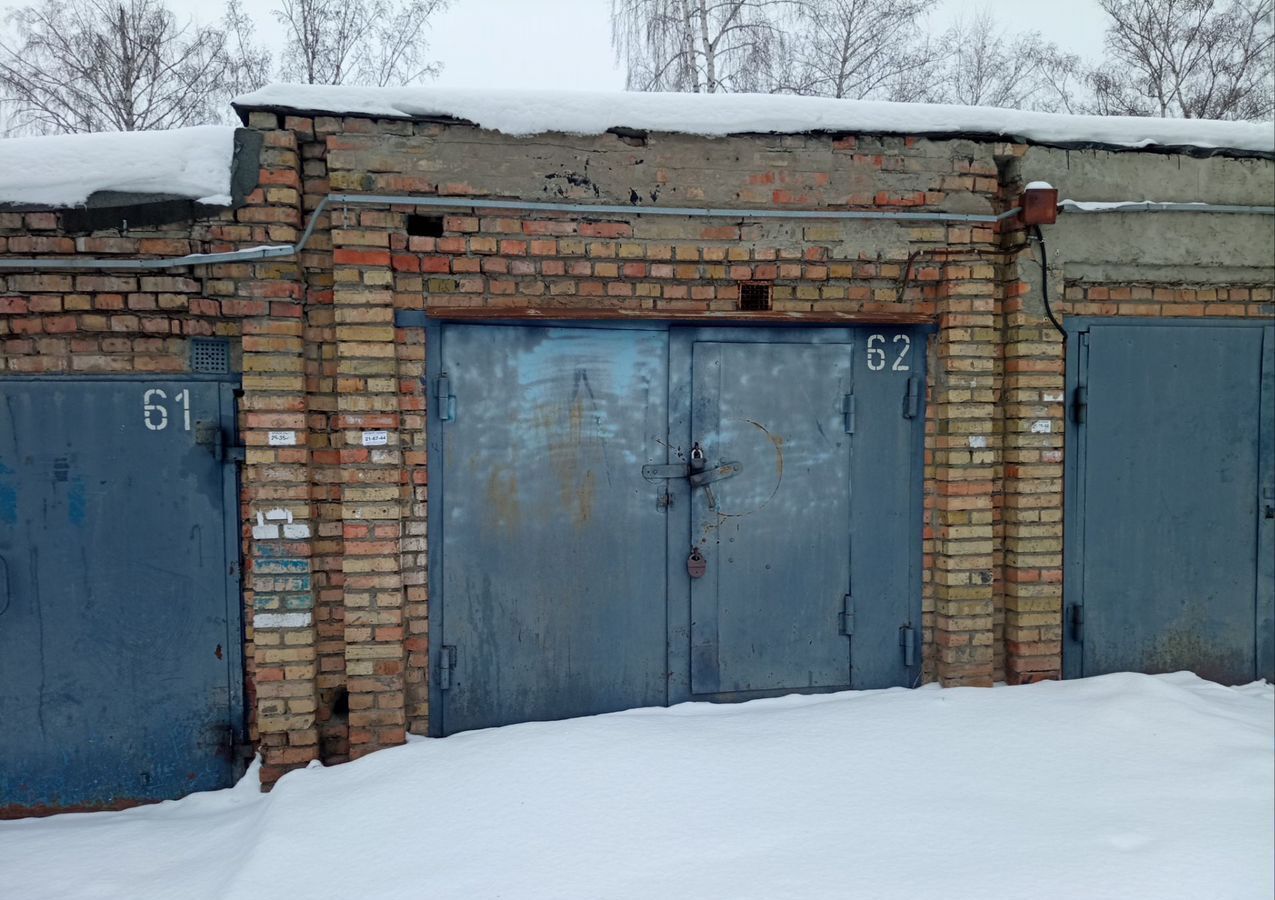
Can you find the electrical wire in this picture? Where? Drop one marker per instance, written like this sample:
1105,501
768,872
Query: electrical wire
1044,280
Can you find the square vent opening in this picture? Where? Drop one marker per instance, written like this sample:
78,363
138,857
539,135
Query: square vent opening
424,226
754,296
210,356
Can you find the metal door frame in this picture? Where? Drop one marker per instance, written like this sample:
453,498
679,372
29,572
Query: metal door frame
677,602
1075,465
229,391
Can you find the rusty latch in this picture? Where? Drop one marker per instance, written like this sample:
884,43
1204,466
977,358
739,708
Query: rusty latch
696,478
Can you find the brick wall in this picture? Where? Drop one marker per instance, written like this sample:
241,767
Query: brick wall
337,604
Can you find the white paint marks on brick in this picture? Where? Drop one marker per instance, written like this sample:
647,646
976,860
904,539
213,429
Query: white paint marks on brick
1042,426
296,532
281,620
1052,398
376,438
279,514
978,441
263,532
283,439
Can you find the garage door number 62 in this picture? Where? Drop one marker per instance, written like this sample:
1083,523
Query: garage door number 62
876,352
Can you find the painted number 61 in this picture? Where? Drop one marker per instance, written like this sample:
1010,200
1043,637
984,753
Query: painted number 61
155,414
877,356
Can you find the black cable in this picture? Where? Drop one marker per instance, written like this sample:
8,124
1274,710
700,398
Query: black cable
1044,280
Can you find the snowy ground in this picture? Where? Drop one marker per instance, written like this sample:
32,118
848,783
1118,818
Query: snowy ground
1124,786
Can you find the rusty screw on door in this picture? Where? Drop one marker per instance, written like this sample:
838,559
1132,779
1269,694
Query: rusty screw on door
696,564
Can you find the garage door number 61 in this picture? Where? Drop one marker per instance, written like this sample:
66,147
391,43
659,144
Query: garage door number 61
155,414
876,352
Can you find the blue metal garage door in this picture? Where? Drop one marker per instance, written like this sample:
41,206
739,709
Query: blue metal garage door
1171,499
637,516
120,659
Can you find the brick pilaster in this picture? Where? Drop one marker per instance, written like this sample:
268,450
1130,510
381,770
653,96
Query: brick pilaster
367,427
276,481
965,461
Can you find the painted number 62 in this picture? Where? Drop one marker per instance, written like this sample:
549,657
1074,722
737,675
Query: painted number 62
876,352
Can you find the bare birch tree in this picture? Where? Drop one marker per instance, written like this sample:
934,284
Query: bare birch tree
1188,58
859,49
339,42
95,65
700,46
988,66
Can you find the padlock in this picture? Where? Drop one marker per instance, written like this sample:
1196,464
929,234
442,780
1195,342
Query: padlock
697,461
696,565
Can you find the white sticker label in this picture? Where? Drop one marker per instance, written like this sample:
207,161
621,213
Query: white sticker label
283,439
376,438
978,441
1042,426
281,620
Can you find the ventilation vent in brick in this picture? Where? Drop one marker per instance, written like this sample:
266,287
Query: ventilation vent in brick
425,226
210,356
754,296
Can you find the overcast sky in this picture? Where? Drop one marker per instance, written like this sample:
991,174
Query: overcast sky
567,43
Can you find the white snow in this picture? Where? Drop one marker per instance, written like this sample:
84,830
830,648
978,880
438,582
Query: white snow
1038,186
520,112
1130,205
63,170
1113,787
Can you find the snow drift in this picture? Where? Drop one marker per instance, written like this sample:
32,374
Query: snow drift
65,169
521,112
1114,787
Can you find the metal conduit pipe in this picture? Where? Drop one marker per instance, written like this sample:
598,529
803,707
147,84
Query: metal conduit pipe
586,209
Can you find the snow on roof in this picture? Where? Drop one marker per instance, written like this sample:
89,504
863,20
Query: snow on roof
522,112
65,169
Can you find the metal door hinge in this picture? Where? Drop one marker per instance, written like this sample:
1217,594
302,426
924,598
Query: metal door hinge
848,410
216,439
444,401
1079,404
907,640
446,665
1076,616
845,623
912,400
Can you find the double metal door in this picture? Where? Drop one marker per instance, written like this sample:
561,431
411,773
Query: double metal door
637,516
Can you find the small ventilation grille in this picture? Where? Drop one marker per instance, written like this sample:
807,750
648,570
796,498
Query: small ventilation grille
754,296
210,356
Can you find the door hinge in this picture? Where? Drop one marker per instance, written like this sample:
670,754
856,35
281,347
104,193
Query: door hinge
907,640
446,665
848,411
1076,616
444,401
912,400
845,623
1079,404
216,439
